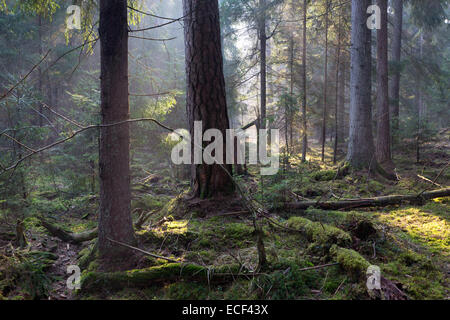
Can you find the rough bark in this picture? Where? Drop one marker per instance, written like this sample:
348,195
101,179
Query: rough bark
115,220
206,97
361,149
394,89
383,144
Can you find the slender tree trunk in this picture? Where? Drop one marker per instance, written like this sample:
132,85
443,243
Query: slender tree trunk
263,62
336,113
40,84
342,119
383,144
291,87
420,104
304,97
325,85
361,150
114,158
206,97
394,89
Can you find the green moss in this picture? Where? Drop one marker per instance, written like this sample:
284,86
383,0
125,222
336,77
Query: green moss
288,284
149,202
186,291
240,290
324,175
350,260
319,233
375,187
92,281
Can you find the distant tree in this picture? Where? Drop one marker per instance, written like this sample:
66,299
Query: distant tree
394,88
304,95
325,83
361,150
383,141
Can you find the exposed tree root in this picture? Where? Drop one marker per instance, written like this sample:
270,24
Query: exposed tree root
67,236
368,202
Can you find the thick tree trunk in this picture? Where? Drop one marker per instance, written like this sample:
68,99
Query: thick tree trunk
394,89
304,120
361,150
383,120
206,97
325,85
115,196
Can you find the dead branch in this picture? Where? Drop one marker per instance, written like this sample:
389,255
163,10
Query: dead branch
26,76
75,133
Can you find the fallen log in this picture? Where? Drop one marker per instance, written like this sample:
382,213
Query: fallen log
68,236
368,202
170,272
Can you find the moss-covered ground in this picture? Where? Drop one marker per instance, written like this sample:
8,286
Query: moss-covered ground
410,243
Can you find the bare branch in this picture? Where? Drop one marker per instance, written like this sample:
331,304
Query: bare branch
26,76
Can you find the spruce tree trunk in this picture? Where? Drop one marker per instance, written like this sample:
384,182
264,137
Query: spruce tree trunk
336,111
205,94
383,144
115,196
394,89
263,61
304,120
361,150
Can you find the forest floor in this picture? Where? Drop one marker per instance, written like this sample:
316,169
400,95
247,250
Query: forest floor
410,242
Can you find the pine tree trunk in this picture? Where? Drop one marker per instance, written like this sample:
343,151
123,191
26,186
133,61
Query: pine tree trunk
304,120
206,97
394,89
115,196
383,120
361,150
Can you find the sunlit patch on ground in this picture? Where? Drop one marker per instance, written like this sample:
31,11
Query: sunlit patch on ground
428,227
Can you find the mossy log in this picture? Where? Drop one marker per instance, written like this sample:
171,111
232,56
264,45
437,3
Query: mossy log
320,233
357,266
68,236
368,202
170,272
